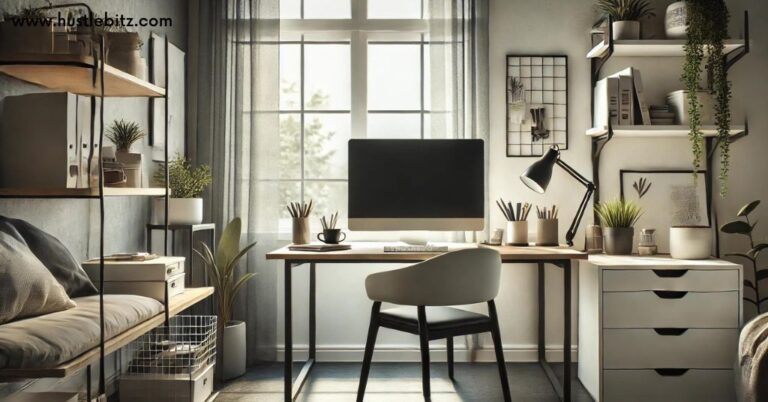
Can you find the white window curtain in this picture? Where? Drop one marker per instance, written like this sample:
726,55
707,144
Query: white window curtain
234,103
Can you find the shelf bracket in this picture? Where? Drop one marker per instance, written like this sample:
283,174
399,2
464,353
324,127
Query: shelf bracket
730,60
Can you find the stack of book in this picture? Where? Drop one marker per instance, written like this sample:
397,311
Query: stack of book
620,100
662,115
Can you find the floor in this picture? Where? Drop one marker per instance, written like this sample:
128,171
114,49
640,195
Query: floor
400,382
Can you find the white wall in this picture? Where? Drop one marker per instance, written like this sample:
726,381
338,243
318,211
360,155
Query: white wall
554,27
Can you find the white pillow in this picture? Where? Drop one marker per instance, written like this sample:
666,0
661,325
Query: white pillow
27,288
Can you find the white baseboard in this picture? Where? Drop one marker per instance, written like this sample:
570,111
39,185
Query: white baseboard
398,353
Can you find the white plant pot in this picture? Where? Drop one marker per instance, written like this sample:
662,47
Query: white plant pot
626,30
131,162
690,242
181,211
676,21
234,350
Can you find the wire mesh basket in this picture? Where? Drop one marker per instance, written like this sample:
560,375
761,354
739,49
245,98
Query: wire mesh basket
173,362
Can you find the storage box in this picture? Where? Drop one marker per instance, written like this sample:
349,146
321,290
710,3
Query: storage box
44,397
158,269
151,289
159,387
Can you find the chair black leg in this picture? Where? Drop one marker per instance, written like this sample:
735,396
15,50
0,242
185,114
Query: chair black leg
496,335
449,351
373,329
424,343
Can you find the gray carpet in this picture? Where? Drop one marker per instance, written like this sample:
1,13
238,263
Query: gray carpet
400,382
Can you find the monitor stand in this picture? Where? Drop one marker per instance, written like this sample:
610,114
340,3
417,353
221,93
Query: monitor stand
415,239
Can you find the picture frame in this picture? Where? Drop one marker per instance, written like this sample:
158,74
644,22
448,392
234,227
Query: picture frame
160,53
668,198
536,103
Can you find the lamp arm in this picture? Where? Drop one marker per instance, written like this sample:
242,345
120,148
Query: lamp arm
584,201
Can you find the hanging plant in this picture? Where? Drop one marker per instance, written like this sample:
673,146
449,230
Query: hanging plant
707,30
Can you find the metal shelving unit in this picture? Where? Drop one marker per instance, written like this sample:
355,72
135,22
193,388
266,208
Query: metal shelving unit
90,76
604,47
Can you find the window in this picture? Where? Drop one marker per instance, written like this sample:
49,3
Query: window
348,69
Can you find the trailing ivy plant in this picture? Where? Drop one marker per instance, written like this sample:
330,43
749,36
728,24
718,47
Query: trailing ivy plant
707,30
746,227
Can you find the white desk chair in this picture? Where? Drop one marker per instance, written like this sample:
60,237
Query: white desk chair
462,277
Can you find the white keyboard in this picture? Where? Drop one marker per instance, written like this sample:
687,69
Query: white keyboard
415,249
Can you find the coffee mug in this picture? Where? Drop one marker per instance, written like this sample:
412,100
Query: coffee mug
331,236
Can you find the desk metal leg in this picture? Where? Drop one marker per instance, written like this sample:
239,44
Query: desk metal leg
563,390
288,370
293,388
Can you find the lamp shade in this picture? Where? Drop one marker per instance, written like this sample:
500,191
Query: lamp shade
537,176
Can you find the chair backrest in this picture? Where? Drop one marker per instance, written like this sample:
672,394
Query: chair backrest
461,277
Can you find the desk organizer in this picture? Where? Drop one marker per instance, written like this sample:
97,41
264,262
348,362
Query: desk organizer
546,232
517,233
301,230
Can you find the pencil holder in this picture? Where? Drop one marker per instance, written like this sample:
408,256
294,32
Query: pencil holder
517,233
546,232
300,230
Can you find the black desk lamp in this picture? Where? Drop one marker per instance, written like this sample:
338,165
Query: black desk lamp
537,177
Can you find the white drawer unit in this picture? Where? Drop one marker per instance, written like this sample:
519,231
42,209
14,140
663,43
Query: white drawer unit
658,329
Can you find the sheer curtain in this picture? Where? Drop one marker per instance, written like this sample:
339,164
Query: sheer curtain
236,131
458,59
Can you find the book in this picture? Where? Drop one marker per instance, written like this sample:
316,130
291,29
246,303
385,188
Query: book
319,247
606,103
626,101
642,104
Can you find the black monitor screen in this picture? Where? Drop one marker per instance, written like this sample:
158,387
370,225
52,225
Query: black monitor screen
416,179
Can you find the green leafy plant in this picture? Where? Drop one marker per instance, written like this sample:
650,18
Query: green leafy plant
185,181
223,268
746,227
124,134
707,30
624,10
618,213
642,186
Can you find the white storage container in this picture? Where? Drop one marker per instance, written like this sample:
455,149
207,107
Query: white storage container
151,289
161,387
678,102
158,269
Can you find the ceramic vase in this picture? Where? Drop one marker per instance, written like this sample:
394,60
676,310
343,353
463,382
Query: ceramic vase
618,241
626,30
234,350
690,242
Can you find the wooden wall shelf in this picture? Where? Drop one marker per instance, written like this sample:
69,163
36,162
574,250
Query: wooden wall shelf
652,47
81,192
177,304
74,73
659,131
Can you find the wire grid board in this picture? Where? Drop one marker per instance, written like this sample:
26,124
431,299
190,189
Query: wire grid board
537,104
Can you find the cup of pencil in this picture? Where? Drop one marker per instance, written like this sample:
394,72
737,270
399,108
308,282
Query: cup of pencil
331,234
300,217
517,222
546,226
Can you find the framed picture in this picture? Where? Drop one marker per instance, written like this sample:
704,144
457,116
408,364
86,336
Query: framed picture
668,198
537,104
175,100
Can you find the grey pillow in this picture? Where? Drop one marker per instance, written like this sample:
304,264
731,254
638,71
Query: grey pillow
53,254
27,289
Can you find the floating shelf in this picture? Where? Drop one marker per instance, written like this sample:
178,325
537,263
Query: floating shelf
74,73
653,47
81,192
659,131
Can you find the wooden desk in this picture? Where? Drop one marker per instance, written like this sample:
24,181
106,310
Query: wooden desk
374,253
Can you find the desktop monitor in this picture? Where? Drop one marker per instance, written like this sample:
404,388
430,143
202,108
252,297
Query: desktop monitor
416,184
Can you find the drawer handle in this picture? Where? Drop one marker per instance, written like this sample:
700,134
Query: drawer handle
670,331
669,294
173,284
670,273
671,372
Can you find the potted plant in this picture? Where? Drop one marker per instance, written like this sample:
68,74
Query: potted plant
124,134
18,34
706,31
745,228
626,16
187,184
222,268
618,217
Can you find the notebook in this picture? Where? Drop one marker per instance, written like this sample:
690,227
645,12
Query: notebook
319,247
